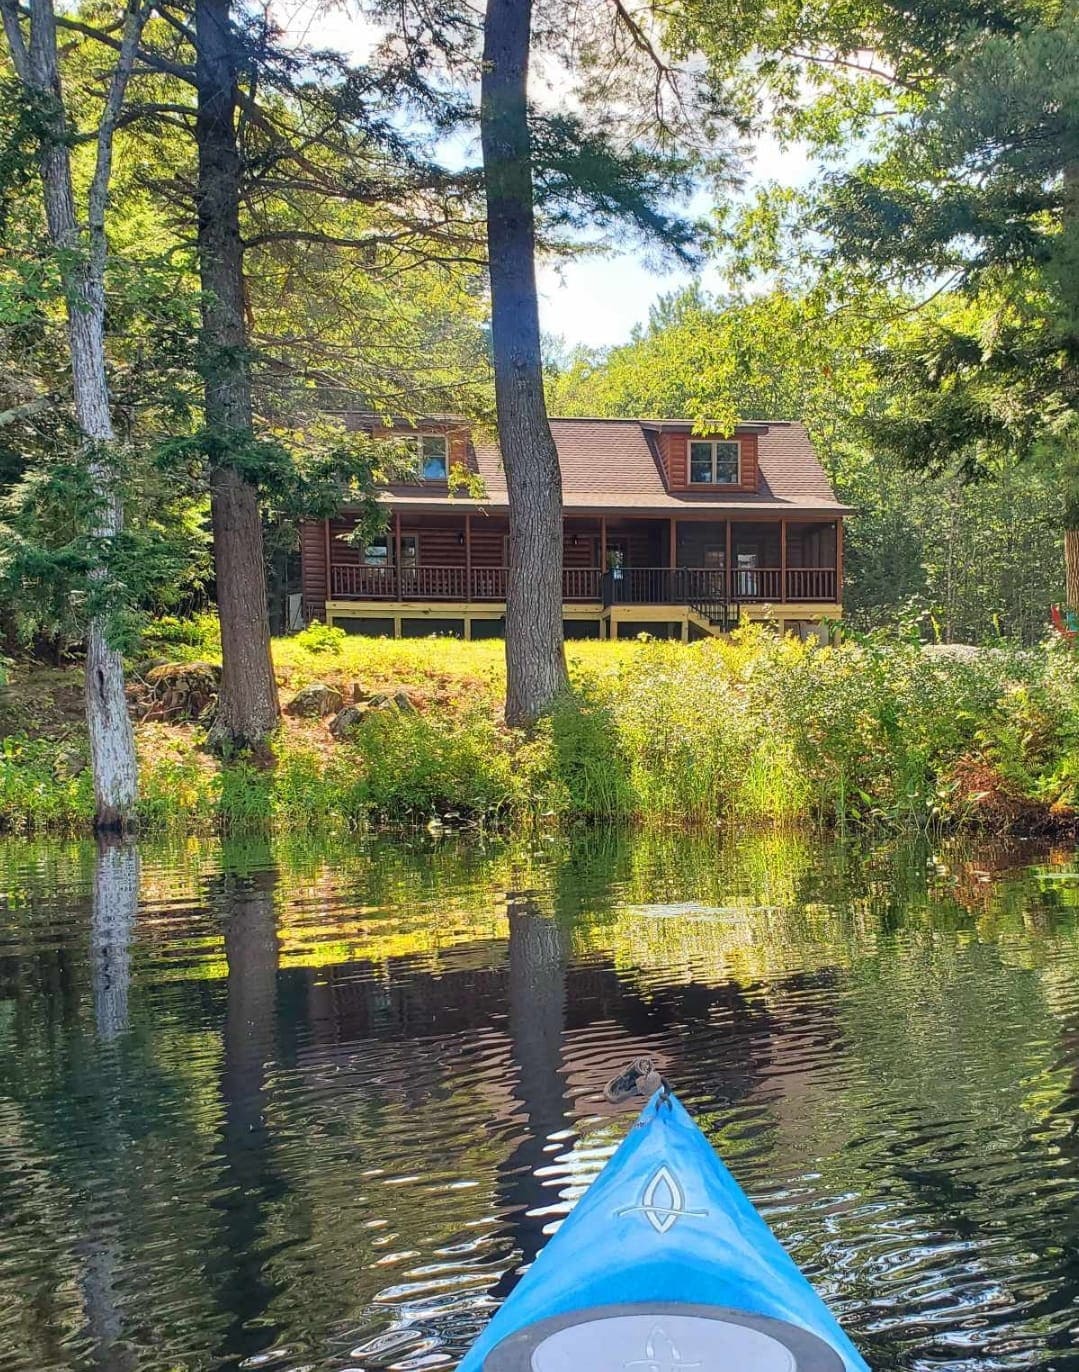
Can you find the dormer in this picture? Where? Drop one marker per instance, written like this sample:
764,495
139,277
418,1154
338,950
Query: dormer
441,445
708,464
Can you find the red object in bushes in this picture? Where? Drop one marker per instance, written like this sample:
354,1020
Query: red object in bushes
1063,625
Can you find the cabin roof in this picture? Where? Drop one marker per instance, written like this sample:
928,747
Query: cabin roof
610,465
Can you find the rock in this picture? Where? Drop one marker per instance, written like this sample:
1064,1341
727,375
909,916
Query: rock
69,763
182,690
378,701
315,701
403,701
359,694
346,720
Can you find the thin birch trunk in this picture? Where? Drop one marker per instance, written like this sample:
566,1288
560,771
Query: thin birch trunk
535,653
82,261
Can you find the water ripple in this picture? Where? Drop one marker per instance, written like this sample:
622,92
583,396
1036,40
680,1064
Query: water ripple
315,1110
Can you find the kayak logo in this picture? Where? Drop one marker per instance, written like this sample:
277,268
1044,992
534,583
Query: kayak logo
660,1355
663,1203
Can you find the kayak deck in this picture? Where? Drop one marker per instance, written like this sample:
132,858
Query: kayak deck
664,1264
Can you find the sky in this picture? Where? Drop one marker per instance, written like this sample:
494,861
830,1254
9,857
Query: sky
593,301
597,301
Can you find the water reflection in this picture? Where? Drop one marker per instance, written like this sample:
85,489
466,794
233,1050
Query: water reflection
113,908
302,1107
249,1184
115,901
536,991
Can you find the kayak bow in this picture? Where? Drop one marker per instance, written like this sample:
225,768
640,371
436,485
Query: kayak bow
664,1265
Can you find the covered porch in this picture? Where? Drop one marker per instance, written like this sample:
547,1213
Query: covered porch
607,561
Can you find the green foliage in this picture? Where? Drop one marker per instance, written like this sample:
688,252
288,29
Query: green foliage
321,638
416,768
182,640
363,278
750,730
589,767
37,792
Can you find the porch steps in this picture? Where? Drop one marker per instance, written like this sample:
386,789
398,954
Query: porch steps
716,616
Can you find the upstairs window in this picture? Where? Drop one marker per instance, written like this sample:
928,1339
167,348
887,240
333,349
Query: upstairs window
433,456
715,462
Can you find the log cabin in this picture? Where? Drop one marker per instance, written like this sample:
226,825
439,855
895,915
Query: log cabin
665,531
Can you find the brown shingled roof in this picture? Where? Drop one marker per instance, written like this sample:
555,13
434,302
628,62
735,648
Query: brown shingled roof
612,464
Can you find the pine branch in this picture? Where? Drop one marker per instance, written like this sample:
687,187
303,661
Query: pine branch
188,34
152,61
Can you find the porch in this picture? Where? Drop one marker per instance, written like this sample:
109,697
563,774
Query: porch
717,565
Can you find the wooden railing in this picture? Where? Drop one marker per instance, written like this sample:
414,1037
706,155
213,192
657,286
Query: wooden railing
811,583
686,585
757,583
580,583
488,583
626,586
663,585
447,583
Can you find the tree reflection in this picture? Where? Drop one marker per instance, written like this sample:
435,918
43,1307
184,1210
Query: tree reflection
537,1012
245,898
112,924
113,911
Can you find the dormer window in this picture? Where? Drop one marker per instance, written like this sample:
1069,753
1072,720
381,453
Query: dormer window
715,462
433,457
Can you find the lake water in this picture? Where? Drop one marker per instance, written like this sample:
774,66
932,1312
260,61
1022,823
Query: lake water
295,1106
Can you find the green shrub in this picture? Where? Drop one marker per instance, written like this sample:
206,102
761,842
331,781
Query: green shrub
754,728
38,790
589,773
245,798
177,788
416,766
182,640
321,638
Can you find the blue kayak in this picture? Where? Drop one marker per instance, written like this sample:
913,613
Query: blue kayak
664,1266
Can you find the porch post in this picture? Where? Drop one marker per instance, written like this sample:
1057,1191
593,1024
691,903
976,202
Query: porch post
468,559
783,594
839,560
674,544
397,550
329,571
727,561
602,543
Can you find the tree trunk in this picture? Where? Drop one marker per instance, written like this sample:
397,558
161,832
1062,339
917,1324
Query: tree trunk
535,654
1071,568
82,267
248,709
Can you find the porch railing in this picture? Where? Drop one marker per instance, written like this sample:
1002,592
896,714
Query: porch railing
447,583
812,583
625,586
686,585
664,585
